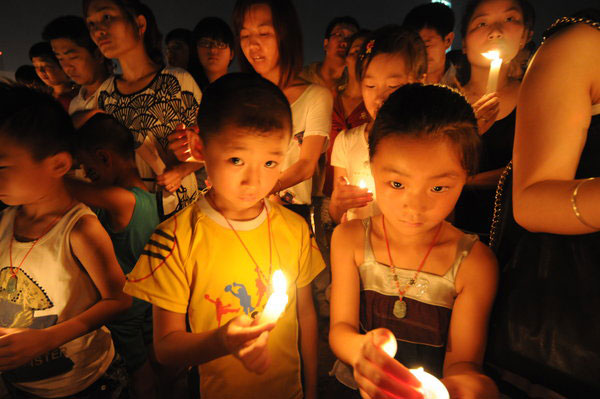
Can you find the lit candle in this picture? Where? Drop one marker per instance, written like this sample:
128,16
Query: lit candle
431,387
277,301
362,183
494,56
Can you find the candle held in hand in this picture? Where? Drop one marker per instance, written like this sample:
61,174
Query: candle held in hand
390,346
277,301
431,387
492,84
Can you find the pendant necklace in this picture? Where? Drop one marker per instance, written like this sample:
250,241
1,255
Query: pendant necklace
400,305
257,269
11,286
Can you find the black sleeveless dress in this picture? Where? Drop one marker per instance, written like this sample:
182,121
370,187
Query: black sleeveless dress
546,318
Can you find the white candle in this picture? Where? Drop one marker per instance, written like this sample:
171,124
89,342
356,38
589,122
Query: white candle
390,346
431,387
492,84
277,301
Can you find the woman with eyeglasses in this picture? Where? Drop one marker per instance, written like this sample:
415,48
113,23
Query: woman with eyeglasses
213,40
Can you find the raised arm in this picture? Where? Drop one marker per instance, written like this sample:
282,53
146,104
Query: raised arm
553,117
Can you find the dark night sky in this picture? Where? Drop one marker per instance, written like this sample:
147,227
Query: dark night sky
21,21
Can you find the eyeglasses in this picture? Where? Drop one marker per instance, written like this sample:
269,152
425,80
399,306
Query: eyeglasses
209,43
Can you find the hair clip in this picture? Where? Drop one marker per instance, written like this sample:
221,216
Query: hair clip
370,46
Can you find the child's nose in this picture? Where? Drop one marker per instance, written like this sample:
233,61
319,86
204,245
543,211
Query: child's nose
415,202
251,177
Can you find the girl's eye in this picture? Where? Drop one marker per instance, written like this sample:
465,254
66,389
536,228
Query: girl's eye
270,164
236,161
396,185
106,18
439,189
481,25
393,86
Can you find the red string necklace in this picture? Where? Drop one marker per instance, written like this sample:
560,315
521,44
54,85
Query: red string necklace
257,269
11,286
400,305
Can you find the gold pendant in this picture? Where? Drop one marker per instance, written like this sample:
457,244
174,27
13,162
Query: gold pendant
11,286
400,309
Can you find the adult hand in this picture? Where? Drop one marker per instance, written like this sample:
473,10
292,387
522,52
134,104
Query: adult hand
378,374
346,196
248,342
185,144
470,386
20,345
486,111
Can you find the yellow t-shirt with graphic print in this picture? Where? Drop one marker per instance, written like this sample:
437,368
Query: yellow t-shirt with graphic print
195,264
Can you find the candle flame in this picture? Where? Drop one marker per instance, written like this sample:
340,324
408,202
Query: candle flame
492,55
362,184
431,387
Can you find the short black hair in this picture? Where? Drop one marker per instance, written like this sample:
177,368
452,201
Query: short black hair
527,11
213,28
346,20
244,100
436,16
394,39
25,74
42,50
103,132
429,112
70,27
185,35
34,120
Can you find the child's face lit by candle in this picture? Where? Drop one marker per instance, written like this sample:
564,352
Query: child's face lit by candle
243,166
495,25
417,181
384,75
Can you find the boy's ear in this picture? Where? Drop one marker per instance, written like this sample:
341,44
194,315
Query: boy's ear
104,156
198,149
60,163
448,40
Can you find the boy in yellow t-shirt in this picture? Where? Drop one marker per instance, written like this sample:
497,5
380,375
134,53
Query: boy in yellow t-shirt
213,261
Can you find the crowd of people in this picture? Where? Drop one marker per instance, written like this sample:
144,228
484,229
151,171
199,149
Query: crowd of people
147,213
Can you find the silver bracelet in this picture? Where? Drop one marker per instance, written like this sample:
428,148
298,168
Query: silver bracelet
574,204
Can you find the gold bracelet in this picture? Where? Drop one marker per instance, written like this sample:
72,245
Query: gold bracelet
574,203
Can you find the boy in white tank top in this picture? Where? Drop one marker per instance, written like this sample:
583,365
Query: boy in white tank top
59,277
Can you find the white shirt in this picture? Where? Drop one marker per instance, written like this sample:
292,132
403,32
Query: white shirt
311,116
351,152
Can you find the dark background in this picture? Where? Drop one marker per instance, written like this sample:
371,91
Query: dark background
22,21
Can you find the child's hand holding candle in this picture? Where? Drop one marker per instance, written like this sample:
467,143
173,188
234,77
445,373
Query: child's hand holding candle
431,387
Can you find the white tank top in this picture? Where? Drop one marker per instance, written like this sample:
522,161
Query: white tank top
51,287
